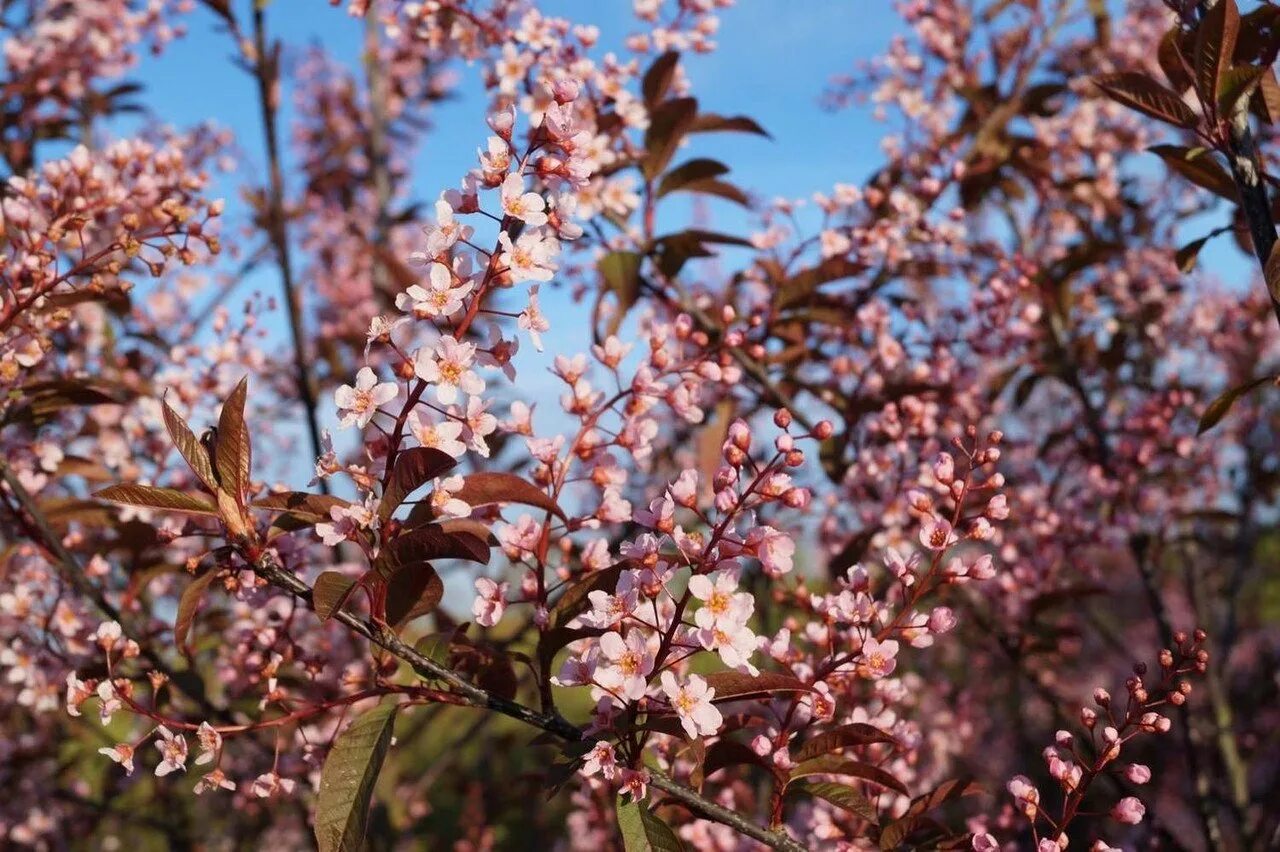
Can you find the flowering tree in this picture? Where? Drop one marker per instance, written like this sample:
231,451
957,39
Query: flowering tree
844,529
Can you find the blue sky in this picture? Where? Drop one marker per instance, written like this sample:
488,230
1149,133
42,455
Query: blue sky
772,64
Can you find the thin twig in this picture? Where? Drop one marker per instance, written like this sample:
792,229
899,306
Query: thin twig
266,73
269,568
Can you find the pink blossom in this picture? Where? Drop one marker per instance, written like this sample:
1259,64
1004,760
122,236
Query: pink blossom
361,402
692,703
490,602
1128,810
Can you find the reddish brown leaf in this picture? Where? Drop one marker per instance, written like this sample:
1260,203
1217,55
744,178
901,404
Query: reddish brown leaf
855,734
151,497
413,469
834,765
234,456
330,592
413,591
483,489
1140,92
1215,45
189,446
188,605
312,508
730,686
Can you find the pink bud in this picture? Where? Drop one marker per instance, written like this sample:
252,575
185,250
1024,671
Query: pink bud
1128,810
1137,773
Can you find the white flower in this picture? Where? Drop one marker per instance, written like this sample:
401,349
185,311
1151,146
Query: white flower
173,752
361,402
121,753
449,368
518,204
443,436
692,703
629,662
490,602
210,741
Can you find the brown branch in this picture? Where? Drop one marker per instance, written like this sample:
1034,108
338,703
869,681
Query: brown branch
270,569
72,573
266,73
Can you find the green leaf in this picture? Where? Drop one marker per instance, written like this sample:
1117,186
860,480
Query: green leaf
151,497
234,455
842,796
657,80
189,447
692,171
1219,407
1215,44
413,468
668,124
346,782
330,592
709,122
1140,92
642,831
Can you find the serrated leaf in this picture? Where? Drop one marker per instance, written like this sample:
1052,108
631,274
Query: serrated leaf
718,188
346,782
643,831
854,734
734,685
413,468
1139,92
234,455
330,592
668,124
844,797
835,765
189,447
490,487
1219,407
152,497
